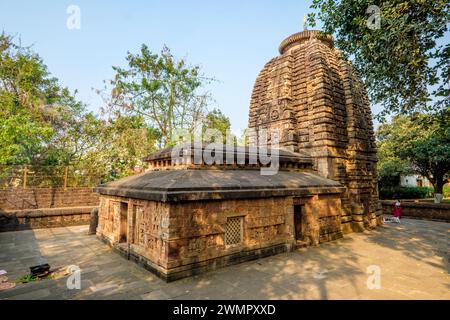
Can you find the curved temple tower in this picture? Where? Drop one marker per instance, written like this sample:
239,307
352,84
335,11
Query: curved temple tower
311,95
183,217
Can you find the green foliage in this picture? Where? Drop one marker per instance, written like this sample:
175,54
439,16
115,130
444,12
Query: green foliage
21,137
390,167
163,90
216,120
404,68
389,173
446,191
35,111
42,125
421,140
26,278
120,145
242,140
30,278
405,193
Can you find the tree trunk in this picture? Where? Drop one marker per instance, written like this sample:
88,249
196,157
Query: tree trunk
439,185
438,191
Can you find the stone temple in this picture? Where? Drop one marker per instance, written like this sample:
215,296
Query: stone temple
320,107
183,217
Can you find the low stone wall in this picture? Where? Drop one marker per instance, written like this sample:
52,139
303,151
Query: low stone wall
420,210
22,199
44,218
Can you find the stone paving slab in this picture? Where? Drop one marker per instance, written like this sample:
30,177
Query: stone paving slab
413,258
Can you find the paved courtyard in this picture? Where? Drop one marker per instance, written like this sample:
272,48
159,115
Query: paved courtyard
413,258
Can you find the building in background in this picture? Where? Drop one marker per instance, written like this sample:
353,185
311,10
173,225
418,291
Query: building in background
414,180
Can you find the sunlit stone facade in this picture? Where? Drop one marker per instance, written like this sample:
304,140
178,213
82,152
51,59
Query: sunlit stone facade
180,218
311,95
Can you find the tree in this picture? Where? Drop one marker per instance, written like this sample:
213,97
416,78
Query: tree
35,110
423,141
404,68
43,125
21,138
119,146
163,90
389,166
216,120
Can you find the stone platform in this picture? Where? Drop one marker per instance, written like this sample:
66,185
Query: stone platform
413,258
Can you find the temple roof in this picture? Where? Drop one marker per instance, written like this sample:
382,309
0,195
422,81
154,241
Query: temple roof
184,185
303,36
284,156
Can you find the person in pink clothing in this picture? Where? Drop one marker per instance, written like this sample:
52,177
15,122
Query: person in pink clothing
397,210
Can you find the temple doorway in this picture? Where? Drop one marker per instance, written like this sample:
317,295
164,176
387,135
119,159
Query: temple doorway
298,215
123,222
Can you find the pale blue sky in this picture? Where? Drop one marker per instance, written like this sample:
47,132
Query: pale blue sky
231,40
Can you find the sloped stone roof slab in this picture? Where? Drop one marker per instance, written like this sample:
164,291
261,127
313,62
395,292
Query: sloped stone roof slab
192,185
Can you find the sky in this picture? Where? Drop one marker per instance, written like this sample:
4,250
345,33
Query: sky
231,40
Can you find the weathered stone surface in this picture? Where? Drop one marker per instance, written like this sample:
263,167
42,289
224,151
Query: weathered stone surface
334,270
93,223
180,217
320,107
178,239
44,218
183,185
21,199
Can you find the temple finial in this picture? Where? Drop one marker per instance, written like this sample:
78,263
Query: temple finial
305,23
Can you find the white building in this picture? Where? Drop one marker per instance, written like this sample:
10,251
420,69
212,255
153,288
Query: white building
414,180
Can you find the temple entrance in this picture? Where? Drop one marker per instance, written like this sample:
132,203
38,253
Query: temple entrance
298,215
123,222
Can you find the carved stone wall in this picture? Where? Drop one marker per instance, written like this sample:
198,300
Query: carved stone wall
147,226
321,219
178,239
319,105
197,229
